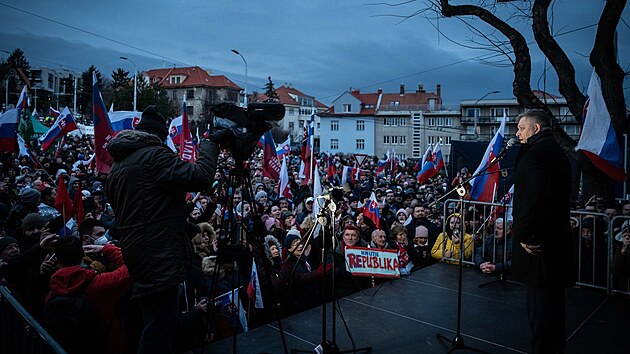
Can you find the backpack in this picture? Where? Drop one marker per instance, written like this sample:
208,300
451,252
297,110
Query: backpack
74,323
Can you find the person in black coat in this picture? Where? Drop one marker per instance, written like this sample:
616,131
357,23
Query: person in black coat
542,252
147,188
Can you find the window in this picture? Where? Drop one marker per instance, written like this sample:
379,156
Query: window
334,125
318,125
403,140
301,122
498,113
291,126
394,122
394,103
175,79
347,108
191,110
291,111
472,112
360,125
190,94
334,144
368,106
571,129
174,95
403,122
386,122
385,139
360,144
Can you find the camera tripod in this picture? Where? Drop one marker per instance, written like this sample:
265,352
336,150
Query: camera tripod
232,245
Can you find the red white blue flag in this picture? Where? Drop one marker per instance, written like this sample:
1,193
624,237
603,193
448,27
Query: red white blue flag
284,189
427,169
9,121
187,147
64,124
53,112
124,120
271,164
438,158
103,131
253,289
484,185
306,170
599,139
371,211
284,149
381,165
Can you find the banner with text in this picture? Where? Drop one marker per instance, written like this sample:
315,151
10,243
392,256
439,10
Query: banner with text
361,261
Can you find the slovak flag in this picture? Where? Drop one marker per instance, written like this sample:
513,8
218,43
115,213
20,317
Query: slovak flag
271,164
306,170
175,130
9,121
331,171
371,211
284,148
253,289
283,184
428,169
382,164
394,162
438,158
124,120
187,147
103,131
53,112
484,185
64,124
599,139
349,174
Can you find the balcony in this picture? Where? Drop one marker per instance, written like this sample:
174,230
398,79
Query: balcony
417,108
487,120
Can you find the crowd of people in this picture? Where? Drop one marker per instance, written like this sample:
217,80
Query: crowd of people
44,258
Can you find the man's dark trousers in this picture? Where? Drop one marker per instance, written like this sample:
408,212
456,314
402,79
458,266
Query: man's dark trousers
159,312
546,314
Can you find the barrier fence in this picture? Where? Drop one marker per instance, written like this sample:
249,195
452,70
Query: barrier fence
20,333
596,241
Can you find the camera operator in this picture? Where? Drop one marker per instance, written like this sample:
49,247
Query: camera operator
147,188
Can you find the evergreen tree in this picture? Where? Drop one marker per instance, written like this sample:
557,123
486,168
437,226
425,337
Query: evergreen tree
84,99
270,91
122,95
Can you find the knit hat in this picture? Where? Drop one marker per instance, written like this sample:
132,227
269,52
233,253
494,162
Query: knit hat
269,223
624,227
285,214
402,210
260,195
33,220
5,242
30,196
153,122
291,235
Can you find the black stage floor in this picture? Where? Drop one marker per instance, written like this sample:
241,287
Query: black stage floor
403,316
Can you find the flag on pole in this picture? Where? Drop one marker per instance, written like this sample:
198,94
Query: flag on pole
306,171
371,211
483,186
9,121
187,148
63,204
438,158
284,149
427,169
284,188
230,312
271,164
103,132
599,139
382,164
253,289
64,124
124,120
53,112
317,190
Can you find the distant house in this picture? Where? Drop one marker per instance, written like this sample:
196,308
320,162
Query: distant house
375,123
485,116
299,107
201,89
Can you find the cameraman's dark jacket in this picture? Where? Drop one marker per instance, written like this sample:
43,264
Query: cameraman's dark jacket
147,187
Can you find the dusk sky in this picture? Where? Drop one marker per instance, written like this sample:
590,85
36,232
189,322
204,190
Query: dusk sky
322,47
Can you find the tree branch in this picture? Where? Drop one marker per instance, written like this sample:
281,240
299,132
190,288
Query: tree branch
556,56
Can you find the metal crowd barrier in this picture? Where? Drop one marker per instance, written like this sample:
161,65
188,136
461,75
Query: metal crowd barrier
20,333
593,241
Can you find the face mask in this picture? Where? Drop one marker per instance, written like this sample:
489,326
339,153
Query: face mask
101,241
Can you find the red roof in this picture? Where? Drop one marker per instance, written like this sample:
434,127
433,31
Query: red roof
543,95
372,99
194,76
285,97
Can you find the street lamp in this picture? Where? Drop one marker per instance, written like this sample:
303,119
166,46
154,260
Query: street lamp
477,113
244,61
135,80
6,86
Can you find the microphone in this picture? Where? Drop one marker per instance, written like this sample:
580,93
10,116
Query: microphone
510,144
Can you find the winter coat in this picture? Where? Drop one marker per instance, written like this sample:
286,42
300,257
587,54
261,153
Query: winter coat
542,203
102,291
147,188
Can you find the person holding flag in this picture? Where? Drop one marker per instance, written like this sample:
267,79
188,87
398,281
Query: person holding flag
542,254
147,188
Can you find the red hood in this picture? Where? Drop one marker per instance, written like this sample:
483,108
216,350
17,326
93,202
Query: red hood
69,280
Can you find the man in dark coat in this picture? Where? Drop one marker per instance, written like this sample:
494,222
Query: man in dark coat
542,252
147,188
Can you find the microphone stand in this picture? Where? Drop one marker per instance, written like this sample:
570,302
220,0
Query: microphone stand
457,343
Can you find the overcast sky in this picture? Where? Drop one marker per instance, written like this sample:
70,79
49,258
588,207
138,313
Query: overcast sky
322,47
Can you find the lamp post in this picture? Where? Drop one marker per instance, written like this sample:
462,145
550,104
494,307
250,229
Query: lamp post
6,86
477,114
244,61
135,80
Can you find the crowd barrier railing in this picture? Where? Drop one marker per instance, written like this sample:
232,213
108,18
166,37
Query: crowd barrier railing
595,242
19,332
